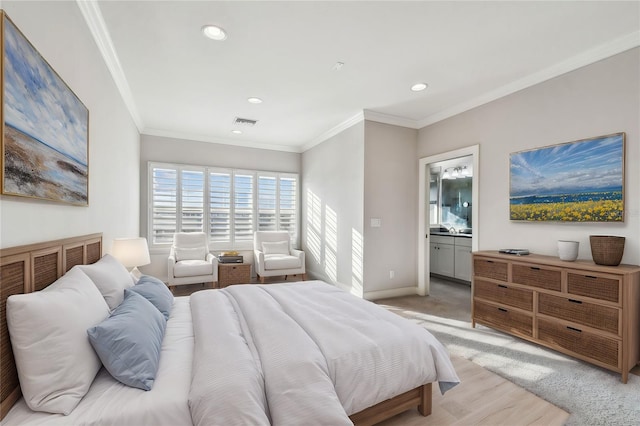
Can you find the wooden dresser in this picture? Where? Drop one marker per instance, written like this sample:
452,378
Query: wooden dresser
588,311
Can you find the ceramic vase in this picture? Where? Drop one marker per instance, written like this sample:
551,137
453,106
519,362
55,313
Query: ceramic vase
568,250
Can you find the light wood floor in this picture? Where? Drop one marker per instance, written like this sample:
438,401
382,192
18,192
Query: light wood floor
483,398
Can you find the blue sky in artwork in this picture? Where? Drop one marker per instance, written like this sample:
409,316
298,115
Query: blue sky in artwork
37,101
569,168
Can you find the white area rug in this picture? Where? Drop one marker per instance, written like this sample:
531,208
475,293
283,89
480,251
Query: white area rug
593,396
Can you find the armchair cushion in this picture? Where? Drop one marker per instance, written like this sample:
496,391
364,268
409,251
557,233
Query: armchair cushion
192,268
196,253
281,261
279,247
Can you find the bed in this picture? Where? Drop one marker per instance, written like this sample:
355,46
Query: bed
322,357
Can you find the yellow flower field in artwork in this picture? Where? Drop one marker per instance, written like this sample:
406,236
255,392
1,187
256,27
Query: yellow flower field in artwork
578,211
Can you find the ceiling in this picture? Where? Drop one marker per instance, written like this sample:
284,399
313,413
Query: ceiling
177,83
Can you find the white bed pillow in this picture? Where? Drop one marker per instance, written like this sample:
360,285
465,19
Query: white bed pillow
111,278
279,247
55,361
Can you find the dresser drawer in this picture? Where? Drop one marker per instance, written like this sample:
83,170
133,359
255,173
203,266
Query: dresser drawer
536,276
583,343
488,268
502,293
503,318
604,318
598,287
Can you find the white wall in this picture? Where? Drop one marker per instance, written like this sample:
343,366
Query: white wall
333,209
181,151
391,195
599,99
59,33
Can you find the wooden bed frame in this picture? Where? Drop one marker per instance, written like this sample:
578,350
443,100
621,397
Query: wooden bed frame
33,267
420,397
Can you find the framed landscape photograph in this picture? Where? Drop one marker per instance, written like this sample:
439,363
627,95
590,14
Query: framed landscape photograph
45,127
581,181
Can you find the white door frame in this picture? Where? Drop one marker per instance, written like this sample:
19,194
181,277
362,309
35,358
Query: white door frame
423,211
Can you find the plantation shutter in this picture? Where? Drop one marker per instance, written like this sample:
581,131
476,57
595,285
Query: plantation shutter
267,196
163,209
192,200
229,205
220,206
243,206
288,206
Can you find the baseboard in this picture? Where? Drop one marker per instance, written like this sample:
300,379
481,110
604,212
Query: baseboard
368,295
394,292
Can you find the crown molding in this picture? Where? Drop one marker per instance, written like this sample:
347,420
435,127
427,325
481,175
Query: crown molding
208,139
391,119
591,56
93,17
333,131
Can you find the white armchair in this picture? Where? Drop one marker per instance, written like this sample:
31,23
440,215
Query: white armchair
274,256
189,260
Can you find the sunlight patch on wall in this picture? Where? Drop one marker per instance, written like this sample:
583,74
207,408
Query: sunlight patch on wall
357,287
331,244
314,226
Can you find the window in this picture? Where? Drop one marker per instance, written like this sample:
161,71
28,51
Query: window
278,203
227,204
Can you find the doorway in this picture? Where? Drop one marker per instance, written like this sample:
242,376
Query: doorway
427,209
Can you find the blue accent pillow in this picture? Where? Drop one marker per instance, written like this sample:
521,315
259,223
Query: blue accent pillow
156,292
128,342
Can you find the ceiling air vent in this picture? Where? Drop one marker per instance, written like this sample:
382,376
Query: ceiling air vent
244,121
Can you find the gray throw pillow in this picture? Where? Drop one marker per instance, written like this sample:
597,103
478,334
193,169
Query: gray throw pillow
156,292
129,341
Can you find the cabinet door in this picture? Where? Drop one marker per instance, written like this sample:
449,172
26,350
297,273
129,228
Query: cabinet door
433,258
463,263
445,260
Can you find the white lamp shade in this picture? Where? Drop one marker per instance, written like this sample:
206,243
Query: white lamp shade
131,252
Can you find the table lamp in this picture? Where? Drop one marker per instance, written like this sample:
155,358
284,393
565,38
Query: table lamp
131,252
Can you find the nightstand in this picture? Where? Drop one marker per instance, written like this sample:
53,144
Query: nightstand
233,273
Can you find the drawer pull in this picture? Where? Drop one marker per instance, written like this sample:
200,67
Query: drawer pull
575,301
502,286
535,268
489,261
574,329
591,276
502,310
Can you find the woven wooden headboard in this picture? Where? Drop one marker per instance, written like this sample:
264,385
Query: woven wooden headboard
29,268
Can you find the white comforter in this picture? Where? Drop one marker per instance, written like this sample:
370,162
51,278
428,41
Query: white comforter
303,353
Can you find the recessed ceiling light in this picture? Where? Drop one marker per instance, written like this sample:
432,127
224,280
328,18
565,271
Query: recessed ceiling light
214,33
254,100
236,132
418,87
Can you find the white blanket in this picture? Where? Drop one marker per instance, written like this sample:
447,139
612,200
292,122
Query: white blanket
303,353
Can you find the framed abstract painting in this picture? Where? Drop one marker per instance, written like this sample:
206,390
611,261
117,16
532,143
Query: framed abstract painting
580,181
45,127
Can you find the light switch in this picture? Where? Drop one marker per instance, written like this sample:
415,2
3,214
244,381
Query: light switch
376,222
